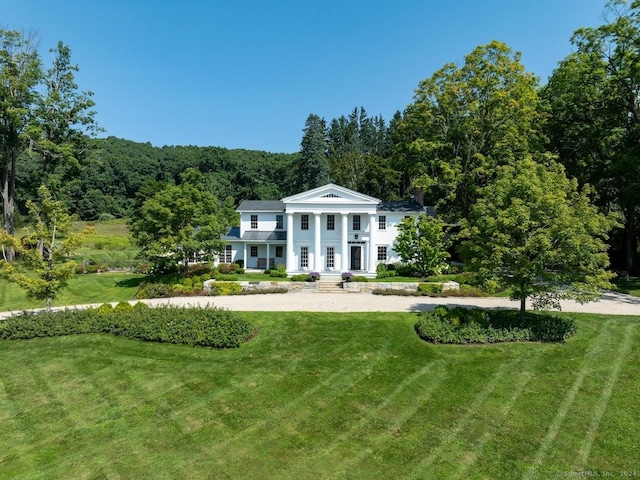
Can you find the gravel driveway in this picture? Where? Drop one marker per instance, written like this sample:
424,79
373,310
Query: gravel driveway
610,303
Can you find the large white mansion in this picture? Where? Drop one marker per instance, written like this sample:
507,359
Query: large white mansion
329,229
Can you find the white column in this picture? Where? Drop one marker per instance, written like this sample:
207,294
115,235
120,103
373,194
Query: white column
290,258
344,245
317,254
373,250
244,255
268,255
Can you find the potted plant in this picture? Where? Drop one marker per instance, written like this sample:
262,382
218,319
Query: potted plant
346,276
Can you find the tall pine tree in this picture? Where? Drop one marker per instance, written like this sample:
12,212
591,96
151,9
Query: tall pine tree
313,165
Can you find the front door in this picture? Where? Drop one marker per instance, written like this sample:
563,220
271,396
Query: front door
356,257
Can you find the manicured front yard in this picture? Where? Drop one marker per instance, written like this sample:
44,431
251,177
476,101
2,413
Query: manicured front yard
322,396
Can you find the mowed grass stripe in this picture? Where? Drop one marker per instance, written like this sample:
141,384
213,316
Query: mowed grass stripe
435,371
596,348
472,412
601,407
296,410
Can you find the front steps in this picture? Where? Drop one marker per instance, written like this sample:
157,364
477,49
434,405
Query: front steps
329,286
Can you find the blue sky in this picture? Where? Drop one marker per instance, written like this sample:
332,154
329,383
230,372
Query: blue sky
247,73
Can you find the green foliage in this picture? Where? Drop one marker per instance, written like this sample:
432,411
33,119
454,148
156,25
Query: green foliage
179,222
594,127
536,233
359,278
301,277
313,166
467,120
44,250
383,272
279,272
430,288
461,326
154,290
225,288
210,327
422,242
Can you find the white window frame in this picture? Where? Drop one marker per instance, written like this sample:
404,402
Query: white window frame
254,222
383,253
382,222
331,257
304,221
304,257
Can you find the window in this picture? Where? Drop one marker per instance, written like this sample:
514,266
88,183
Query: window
356,222
304,257
331,263
254,221
304,222
254,251
331,222
279,251
227,254
279,222
382,222
382,253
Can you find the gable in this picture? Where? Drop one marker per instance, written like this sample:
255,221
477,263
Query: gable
331,195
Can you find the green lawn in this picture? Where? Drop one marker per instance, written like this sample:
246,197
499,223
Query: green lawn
93,288
322,396
630,286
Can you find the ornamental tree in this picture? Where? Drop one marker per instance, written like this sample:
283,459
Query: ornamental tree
422,242
535,232
44,251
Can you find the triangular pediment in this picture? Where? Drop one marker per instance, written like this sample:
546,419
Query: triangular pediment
331,194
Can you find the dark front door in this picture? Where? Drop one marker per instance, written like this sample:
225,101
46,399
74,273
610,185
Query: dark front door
356,258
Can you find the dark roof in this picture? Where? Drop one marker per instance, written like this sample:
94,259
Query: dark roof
261,206
254,236
409,206
234,234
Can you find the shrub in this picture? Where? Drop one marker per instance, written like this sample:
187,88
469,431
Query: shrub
225,288
154,290
347,276
240,263
279,272
383,272
359,278
430,288
301,277
461,326
217,328
226,268
314,276
123,307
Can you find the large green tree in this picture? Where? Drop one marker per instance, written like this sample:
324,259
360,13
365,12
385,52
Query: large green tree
180,221
20,73
467,120
536,233
594,96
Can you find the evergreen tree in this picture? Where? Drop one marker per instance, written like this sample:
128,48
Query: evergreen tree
313,165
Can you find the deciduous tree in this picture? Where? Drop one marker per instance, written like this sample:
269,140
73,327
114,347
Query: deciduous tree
594,96
465,121
536,233
422,242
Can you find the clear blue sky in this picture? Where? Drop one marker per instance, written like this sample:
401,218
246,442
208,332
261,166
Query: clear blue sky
247,73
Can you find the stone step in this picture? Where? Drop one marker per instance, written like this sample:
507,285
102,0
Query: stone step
330,287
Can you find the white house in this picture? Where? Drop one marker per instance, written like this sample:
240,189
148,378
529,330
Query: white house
329,229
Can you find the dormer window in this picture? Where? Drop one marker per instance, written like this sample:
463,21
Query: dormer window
254,222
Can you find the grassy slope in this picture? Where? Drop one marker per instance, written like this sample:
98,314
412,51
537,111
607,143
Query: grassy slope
322,396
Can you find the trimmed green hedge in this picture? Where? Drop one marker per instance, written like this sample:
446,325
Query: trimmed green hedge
460,325
209,327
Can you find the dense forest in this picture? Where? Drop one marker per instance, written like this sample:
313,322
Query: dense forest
467,121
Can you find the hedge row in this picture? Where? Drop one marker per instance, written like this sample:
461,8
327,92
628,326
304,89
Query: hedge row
210,327
459,325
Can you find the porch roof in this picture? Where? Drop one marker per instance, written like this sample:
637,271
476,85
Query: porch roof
255,236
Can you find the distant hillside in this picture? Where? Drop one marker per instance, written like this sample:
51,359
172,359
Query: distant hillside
106,182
